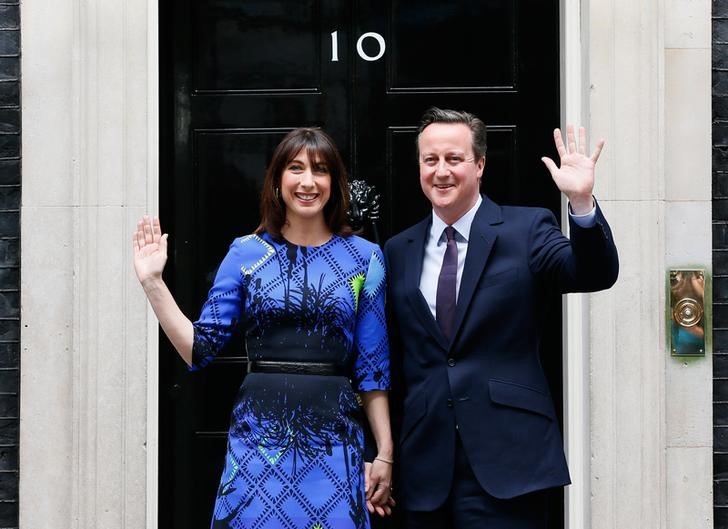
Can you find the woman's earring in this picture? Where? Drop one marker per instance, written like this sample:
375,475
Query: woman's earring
278,193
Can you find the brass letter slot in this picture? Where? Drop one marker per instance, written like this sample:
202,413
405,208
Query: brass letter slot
687,312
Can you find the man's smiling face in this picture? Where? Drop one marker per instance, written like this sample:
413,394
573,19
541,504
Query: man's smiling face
449,173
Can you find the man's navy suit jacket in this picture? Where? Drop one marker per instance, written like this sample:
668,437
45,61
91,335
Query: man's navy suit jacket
487,381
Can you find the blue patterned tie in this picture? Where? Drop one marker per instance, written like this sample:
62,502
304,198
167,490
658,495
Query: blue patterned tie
447,286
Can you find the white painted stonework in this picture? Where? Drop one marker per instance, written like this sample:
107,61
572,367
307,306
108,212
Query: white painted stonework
638,422
651,414
86,126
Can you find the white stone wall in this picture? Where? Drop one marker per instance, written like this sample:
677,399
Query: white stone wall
651,415
84,340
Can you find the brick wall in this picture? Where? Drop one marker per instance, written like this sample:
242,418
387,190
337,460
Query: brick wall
720,262
9,259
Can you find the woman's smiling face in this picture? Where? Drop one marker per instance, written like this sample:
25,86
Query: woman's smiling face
305,187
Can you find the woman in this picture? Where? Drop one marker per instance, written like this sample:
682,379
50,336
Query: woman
310,297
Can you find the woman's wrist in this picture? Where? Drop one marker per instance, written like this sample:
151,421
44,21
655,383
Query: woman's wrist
385,451
153,283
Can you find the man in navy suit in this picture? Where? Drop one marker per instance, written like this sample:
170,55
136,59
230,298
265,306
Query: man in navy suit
480,442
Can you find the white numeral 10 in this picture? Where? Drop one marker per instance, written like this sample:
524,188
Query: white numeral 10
359,46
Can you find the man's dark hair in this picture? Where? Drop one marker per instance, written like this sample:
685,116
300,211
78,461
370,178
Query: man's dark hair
440,115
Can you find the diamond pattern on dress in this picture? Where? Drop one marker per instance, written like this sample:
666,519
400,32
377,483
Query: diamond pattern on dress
295,444
272,455
268,252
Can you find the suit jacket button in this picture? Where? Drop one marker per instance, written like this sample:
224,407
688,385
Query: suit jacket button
451,362
449,403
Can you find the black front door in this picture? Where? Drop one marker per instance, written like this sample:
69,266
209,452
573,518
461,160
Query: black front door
238,74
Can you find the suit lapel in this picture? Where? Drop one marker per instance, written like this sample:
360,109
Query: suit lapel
416,251
480,244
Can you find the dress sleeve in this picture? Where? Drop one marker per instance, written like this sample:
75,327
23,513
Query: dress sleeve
221,312
371,368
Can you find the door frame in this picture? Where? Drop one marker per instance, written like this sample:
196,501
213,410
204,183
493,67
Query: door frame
574,56
576,387
153,155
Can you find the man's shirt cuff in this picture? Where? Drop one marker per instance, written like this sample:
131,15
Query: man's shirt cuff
587,220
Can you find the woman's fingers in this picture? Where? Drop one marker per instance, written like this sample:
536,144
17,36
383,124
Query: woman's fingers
367,470
381,494
149,231
378,492
163,244
135,235
148,235
156,228
141,240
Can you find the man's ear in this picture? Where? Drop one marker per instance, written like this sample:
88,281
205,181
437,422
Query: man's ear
481,166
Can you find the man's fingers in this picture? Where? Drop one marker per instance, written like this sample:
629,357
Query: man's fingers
582,141
559,141
597,151
570,138
550,165
383,508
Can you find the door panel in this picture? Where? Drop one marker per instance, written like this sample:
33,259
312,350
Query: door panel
257,46
237,75
423,32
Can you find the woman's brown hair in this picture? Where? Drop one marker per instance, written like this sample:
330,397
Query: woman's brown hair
320,148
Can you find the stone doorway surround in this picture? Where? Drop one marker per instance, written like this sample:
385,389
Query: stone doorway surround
638,423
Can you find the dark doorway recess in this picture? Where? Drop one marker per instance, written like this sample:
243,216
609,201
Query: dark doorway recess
236,76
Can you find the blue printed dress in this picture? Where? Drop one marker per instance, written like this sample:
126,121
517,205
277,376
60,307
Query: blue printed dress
295,445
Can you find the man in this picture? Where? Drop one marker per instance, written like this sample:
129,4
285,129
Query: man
480,441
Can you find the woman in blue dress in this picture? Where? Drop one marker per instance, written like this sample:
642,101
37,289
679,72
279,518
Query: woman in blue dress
310,297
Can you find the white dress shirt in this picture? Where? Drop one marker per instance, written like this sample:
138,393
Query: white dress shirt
437,244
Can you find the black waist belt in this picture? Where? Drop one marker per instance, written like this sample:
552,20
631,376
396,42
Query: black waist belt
296,368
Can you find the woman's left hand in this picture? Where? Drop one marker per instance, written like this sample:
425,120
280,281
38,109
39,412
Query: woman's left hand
378,487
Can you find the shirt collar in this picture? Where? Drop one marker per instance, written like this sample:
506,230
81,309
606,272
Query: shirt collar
462,225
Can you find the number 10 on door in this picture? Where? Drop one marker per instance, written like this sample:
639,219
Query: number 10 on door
359,46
